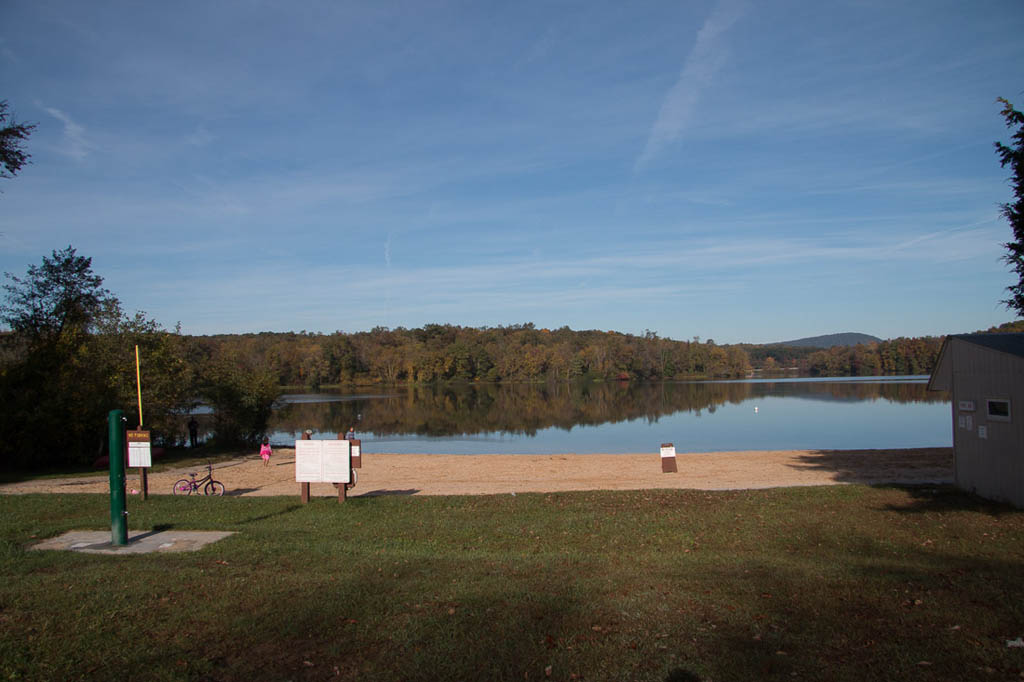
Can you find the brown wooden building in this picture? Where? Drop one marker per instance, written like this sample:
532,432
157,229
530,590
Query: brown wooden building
985,373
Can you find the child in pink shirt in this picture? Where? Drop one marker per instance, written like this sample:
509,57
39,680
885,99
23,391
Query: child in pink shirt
265,451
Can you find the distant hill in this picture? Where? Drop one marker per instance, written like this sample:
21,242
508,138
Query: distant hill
829,340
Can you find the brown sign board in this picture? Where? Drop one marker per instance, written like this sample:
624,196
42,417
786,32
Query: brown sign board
357,453
668,458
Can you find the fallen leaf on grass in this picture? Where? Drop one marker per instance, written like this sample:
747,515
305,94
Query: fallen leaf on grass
547,671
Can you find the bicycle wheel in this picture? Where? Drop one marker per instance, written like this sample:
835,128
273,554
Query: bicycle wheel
183,487
355,479
213,488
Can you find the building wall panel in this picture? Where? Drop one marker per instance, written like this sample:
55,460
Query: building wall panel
992,466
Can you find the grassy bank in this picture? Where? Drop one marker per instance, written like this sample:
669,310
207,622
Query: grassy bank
844,583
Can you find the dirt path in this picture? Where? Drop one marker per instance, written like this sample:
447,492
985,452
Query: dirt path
390,474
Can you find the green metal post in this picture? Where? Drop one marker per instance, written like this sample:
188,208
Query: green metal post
118,514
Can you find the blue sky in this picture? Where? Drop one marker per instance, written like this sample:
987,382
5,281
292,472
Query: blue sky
742,171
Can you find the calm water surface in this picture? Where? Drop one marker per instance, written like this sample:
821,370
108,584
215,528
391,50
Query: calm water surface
866,412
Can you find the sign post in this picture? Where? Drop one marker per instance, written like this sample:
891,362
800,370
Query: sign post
357,452
140,454
668,458
303,484
139,440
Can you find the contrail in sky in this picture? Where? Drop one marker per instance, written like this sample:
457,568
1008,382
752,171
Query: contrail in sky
700,67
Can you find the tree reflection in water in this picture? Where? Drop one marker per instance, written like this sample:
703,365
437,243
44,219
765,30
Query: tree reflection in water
524,409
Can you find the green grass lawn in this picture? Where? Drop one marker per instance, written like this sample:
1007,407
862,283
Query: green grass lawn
830,583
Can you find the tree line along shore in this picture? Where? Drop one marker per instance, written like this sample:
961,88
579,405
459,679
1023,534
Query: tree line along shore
68,358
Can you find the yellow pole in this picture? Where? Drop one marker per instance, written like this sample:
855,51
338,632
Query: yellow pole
143,478
138,383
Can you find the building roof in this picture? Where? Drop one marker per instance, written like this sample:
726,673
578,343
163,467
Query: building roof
942,375
1006,343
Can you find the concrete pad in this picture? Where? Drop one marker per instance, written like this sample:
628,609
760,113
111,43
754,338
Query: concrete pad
139,541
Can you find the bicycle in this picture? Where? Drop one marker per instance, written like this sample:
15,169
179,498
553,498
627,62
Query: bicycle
186,486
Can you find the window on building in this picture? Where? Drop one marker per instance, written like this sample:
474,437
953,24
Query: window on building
999,410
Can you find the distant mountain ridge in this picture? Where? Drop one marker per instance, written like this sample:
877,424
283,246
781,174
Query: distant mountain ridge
829,340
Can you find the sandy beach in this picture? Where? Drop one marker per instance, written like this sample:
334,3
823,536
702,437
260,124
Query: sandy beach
393,474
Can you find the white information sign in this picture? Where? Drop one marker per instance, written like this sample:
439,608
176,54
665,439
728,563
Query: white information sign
140,455
322,461
308,462
669,451
337,465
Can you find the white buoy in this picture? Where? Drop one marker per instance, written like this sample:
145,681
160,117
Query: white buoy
755,410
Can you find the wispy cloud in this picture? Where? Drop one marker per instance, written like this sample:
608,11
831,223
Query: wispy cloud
8,53
200,137
700,67
76,144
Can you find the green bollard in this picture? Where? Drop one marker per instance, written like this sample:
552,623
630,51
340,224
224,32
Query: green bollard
118,514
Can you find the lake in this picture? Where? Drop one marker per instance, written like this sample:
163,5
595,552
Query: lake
708,416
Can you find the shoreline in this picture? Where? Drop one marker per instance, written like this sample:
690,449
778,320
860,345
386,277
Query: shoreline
430,474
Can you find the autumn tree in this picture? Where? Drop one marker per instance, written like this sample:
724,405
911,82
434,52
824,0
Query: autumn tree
69,361
12,135
1012,155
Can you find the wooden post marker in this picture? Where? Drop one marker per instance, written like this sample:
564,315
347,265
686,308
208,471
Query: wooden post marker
304,487
668,458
